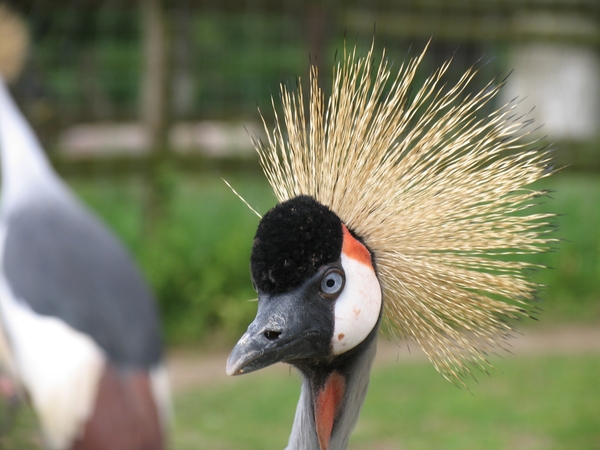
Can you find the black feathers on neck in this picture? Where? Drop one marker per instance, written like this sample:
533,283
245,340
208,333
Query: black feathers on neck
293,240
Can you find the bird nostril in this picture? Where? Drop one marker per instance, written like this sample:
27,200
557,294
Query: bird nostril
272,335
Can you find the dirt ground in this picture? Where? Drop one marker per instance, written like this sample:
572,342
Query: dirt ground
191,368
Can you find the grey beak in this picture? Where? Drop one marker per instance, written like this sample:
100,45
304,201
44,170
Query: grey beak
288,327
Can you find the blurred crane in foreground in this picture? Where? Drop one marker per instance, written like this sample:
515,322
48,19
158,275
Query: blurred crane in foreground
78,322
400,205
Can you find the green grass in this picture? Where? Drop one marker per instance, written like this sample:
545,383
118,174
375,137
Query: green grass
18,429
573,283
542,403
545,403
197,258
197,262
534,403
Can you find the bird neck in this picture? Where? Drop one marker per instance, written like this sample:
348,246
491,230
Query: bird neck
24,164
331,399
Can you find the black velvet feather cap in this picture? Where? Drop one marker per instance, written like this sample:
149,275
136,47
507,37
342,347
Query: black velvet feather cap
293,241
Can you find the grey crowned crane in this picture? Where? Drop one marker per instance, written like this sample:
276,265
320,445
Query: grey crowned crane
397,205
78,320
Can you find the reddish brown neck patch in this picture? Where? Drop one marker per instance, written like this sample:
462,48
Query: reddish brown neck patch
327,405
125,415
354,249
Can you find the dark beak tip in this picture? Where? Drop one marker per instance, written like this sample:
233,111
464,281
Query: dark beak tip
231,371
237,368
242,357
235,362
250,355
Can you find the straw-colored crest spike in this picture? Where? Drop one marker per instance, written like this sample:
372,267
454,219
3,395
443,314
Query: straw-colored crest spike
437,190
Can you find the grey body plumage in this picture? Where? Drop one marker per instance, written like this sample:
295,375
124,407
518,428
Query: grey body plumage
79,326
63,262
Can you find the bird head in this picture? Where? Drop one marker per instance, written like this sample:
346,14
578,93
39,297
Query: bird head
413,191
386,189
318,292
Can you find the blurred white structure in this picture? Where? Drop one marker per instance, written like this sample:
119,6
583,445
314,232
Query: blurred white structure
211,138
561,80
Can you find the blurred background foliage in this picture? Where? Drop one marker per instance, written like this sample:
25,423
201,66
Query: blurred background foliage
142,107
145,105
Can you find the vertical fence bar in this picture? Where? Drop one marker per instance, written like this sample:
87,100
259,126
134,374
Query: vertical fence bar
155,106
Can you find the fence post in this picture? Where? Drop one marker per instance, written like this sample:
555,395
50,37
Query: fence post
155,106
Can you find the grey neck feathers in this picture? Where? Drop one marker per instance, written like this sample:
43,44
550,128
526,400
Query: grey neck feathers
304,434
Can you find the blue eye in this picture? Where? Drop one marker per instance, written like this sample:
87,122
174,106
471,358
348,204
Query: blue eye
332,283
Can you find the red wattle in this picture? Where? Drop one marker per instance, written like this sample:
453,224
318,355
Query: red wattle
327,405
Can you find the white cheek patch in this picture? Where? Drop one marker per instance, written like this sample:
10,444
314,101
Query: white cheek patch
357,308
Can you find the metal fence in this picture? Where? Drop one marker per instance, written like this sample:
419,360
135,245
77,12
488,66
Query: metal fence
109,81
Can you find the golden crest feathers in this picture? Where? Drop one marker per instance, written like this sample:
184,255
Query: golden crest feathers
436,191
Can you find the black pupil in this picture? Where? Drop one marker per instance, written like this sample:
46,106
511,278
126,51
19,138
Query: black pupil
330,283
